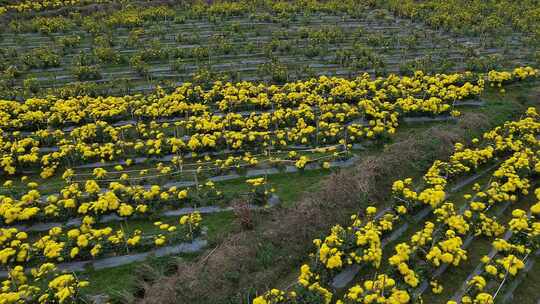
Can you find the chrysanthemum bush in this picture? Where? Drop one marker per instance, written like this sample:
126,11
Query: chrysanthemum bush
439,241
259,191
44,284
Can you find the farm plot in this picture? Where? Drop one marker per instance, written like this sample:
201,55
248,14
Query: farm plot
92,183
143,131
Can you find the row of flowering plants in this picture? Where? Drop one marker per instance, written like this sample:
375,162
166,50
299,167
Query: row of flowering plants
480,18
191,9
88,242
117,198
437,13
22,6
419,261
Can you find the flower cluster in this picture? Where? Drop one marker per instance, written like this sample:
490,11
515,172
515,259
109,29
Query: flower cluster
45,284
520,73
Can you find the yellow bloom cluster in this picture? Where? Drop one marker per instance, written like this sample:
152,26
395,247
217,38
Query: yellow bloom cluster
45,285
329,252
520,73
447,251
381,290
310,288
255,182
273,296
193,219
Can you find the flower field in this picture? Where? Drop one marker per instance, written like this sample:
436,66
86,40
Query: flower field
112,156
417,265
139,131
